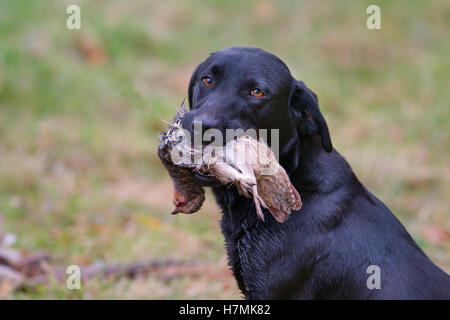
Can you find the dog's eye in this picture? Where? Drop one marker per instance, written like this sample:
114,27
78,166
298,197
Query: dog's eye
256,93
206,81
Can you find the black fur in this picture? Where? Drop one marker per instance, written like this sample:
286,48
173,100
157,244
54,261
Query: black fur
323,250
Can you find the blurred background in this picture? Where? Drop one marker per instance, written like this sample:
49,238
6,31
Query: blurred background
80,110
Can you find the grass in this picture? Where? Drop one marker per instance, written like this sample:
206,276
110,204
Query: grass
79,177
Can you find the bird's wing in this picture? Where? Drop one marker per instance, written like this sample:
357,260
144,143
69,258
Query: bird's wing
297,204
279,194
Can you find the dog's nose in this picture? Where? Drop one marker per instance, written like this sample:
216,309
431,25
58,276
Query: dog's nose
205,123
206,126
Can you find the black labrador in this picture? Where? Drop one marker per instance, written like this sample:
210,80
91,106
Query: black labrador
344,243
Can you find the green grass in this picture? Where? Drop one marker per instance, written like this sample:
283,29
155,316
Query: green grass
79,177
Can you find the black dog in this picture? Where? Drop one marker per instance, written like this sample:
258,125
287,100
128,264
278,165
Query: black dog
324,250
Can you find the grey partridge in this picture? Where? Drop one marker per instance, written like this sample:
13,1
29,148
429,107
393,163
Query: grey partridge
245,162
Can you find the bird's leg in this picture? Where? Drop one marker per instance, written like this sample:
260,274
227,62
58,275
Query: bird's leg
244,187
258,202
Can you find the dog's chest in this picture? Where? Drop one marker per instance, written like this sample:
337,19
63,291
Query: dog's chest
248,256
244,236
247,263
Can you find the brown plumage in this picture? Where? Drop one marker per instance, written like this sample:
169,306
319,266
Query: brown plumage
253,168
244,162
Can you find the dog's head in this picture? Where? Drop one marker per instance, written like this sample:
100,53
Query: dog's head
248,88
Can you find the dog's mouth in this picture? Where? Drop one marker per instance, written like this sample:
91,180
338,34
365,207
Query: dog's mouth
205,179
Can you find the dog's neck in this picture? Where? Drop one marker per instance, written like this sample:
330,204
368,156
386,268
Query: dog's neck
307,163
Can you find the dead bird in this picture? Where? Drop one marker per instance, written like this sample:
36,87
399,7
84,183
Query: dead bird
245,162
188,194
252,167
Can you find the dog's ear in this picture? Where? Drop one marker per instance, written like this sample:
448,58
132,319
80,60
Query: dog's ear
306,114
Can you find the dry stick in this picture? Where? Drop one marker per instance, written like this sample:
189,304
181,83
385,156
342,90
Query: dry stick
168,269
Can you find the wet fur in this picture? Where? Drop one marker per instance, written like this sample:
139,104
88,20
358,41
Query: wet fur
323,250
